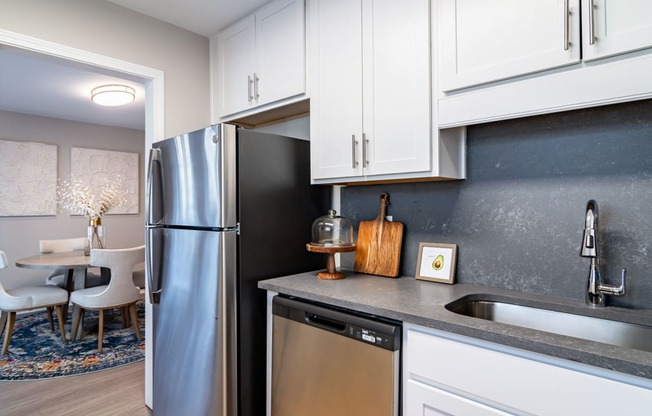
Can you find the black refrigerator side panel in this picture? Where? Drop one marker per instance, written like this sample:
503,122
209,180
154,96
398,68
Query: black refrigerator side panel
277,206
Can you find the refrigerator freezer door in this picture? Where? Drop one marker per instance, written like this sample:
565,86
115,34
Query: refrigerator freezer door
194,323
192,179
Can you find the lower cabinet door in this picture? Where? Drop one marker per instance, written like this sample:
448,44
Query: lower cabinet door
421,399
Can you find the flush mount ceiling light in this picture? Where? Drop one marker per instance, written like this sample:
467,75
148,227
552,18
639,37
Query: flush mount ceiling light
113,95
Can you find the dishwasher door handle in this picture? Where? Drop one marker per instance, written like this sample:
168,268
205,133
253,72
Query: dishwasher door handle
324,322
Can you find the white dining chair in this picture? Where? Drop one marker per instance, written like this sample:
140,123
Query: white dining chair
29,298
58,277
121,292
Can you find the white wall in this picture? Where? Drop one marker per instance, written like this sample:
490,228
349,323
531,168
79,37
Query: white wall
19,236
110,30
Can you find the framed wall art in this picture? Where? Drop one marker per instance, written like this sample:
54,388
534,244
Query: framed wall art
28,179
436,262
94,167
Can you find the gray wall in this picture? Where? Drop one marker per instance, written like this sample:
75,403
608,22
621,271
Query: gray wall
107,29
19,236
518,217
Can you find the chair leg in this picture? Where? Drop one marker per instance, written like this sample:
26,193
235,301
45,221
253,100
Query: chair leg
3,321
125,317
50,318
134,321
75,323
61,322
100,331
8,332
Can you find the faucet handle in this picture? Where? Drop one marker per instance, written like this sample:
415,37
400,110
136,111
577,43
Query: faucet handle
615,290
621,288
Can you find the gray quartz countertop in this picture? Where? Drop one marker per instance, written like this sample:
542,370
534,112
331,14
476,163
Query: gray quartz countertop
421,302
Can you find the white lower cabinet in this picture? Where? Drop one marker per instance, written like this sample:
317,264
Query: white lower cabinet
447,374
422,399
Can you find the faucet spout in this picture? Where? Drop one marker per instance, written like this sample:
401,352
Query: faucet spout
596,291
590,238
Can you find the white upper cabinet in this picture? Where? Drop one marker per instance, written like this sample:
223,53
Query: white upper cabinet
503,59
236,65
369,74
396,86
335,78
483,41
280,51
261,59
611,27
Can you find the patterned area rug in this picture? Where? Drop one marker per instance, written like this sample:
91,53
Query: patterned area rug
37,353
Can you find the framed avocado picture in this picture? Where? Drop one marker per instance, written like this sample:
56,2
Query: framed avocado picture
436,262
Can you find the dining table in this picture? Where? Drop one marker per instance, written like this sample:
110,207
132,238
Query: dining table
74,263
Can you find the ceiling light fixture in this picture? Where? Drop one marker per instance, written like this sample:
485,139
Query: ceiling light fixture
113,95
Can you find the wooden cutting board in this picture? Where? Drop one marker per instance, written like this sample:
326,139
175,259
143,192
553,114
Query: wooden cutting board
379,244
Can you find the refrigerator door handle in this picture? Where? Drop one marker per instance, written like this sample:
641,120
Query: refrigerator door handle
154,206
154,284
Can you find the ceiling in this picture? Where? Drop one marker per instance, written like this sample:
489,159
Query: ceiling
204,17
38,84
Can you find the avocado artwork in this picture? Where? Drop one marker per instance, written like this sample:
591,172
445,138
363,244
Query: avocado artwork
438,264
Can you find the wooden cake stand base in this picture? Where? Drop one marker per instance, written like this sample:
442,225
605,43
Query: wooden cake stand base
331,272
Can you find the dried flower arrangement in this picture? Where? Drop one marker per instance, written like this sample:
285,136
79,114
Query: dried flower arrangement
78,198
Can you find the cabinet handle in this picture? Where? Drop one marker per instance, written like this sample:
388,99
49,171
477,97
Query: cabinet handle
256,79
249,82
354,144
566,25
591,22
365,143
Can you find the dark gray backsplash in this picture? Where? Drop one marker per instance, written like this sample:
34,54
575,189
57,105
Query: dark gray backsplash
518,217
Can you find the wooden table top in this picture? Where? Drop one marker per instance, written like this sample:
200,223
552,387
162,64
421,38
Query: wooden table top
63,260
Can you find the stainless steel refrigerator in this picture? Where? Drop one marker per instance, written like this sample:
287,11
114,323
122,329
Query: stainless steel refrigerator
226,208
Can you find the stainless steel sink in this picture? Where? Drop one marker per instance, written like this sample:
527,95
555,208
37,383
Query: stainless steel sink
623,334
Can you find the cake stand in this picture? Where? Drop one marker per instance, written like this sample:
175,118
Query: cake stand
331,272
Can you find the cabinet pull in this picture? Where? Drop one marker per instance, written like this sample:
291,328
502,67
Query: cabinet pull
354,144
365,143
566,25
249,82
256,79
591,22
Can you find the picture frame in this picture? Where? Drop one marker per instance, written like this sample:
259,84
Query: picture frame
436,262
94,166
28,179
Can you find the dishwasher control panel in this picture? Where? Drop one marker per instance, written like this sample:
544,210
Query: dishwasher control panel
370,336
367,329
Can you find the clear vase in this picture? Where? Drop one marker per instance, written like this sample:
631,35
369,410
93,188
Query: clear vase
95,235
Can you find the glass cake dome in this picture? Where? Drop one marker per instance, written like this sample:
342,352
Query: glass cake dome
332,230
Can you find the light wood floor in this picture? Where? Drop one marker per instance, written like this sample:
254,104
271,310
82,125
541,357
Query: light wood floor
116,392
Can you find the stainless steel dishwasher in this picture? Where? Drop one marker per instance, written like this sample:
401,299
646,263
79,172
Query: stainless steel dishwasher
329,362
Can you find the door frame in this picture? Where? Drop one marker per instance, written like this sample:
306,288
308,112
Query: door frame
152,78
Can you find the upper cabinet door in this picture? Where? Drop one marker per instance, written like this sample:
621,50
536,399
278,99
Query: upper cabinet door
396,86
335,65
484,41
260,60
280,45
611,27
236,66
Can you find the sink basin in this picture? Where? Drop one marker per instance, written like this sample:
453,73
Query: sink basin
623,334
